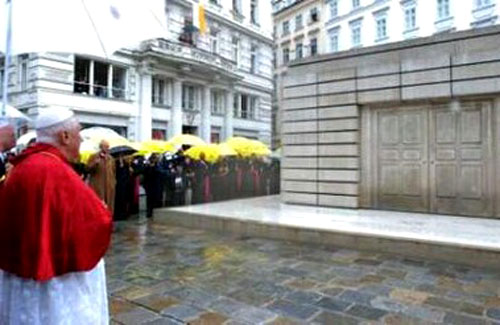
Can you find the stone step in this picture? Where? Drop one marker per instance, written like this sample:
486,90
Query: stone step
463,240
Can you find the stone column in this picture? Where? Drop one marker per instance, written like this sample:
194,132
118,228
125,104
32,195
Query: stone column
228,115
206,115
175,125
145,110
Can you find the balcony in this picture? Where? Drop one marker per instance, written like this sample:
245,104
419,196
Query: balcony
189,53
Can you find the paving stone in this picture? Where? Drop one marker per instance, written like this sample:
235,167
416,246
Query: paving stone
425,313
157,302
409,296
135,316
118,306
398,319
303,297
133,292
376,289
364,261
291,309
255,315
194,296
356,297
493,313
442,302
471,309
301,284
333,304
457,319
366,312
227,306
182,312
209,319
163,321
292,272
285,321
331,291
387,304
251,297
333,318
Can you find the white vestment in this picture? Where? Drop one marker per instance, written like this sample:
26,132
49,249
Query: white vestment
74,298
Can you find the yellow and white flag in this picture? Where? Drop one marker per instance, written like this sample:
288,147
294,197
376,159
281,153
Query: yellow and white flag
199,17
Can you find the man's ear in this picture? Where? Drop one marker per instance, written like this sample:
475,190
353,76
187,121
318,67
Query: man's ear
64,137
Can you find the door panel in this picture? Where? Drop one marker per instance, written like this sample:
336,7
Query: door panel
433,159
459,167
402,176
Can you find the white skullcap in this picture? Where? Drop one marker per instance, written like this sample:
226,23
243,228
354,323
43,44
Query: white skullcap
52,116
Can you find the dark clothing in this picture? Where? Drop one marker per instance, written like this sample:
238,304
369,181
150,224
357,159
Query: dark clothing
200,179
123,193
153,184
3,169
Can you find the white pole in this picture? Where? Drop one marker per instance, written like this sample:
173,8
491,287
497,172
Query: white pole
7,58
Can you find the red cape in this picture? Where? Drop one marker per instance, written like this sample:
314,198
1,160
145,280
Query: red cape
51,222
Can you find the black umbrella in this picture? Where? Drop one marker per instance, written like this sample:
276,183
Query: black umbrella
122,151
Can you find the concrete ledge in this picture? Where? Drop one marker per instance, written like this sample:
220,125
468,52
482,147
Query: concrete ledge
228,217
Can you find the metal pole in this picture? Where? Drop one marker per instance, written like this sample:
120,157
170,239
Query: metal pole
7,58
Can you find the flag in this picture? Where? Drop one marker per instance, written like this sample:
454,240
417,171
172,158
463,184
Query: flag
201,17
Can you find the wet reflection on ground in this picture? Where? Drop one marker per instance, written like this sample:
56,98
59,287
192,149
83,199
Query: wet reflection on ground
158,274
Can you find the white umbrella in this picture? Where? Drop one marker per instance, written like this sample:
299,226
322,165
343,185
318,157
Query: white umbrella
93,27
25,139
14,113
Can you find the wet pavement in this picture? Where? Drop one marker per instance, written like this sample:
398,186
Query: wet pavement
159,274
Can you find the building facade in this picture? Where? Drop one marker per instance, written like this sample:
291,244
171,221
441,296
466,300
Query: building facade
357,23
411,126
349,24
298,33
216,85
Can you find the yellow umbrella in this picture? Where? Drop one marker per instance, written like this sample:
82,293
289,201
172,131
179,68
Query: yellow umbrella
154,146
87,149
226,150
186,139
247,147
211,152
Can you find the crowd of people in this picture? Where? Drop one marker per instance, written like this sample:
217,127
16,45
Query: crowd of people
175,179
56,224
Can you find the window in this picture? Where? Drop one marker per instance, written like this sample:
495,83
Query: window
381,27
237,6
188,97
214,137
236,50
314,46
286,55
334,8
314,15
159,91
244,106
253,59
188,32
254,12
214,42
23,71
443,9
334,40
253,107
217,102
236,105
410,18
286,28
356,34
482,3
99,79
298,22
299,51
355,4
214,2
158,134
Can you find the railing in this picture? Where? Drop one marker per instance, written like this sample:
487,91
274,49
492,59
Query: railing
190,52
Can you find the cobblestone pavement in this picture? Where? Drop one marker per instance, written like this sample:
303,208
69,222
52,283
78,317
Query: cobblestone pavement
159,274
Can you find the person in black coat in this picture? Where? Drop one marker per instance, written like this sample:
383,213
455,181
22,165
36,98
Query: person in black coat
123,197
153,184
